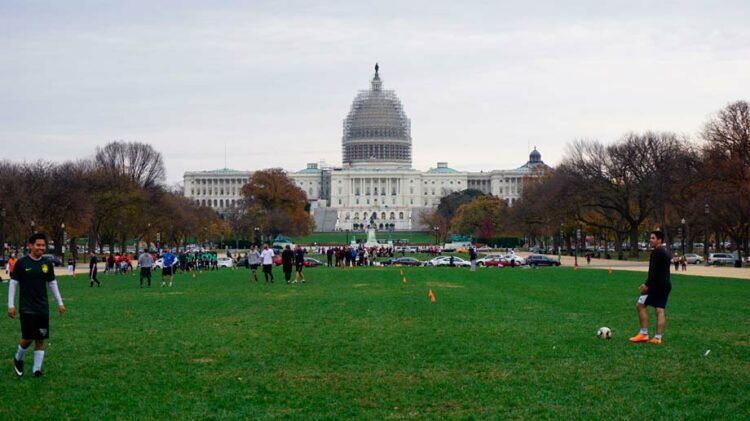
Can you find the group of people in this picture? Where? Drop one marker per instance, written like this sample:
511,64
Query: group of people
265,258
679,261
33,274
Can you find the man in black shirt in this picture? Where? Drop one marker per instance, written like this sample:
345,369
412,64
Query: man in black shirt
32,273
92,270
655,291
287,257
299,263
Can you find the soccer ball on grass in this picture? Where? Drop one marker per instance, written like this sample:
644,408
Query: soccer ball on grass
604,333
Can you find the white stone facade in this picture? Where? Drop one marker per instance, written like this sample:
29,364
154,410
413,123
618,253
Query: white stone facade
219,189
376,177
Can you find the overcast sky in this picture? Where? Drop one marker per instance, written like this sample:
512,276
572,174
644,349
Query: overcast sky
481,81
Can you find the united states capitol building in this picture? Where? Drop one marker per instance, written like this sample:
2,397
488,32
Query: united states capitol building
376,181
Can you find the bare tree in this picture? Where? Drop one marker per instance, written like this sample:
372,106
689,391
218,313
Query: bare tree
138,162
727,178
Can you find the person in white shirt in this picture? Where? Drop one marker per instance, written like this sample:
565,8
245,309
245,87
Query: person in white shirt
266,258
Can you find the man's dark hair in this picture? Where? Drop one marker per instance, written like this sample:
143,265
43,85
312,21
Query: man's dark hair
658,234
37,236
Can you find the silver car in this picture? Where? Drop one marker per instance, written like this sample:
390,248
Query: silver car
693,258
720,259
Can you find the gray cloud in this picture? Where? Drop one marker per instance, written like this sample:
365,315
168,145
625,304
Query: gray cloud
482,81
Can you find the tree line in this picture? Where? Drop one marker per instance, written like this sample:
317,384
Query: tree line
111,198
119,196
617,191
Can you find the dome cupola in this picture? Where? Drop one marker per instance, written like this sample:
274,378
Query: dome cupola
377,132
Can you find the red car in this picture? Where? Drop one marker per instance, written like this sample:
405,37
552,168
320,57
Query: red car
501,262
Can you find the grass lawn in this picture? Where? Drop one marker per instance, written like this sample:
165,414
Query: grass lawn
339,238
358,343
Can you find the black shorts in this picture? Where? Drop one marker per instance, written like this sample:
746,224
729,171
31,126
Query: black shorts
167,271
146,273
254,267
34,326
267,268
299,267
658,299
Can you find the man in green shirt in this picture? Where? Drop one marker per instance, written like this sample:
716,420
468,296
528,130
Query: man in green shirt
32,274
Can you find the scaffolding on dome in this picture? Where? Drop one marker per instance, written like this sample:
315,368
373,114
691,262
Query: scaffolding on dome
376,128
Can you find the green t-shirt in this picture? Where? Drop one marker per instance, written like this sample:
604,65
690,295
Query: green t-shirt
32,276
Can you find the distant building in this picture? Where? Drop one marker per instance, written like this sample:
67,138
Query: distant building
218,189
376,182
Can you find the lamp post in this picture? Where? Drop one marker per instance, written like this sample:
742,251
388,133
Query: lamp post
33,227
682,225
578,239
347,236
2,236
64,239
706,212
559,246
256,235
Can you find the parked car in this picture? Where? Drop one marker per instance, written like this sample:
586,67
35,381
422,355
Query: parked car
693,258
538,260
481,262
536,250
502,262
224,262
457,261
55,260
516,258
402,261
720,259
407,249
507,261
434,262
311,263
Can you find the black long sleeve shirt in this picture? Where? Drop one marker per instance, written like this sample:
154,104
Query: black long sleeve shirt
659,265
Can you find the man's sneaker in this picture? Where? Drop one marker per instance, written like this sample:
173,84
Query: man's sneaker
18,366
38,373
639,338
655,341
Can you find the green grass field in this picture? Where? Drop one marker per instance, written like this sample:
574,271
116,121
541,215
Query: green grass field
360,344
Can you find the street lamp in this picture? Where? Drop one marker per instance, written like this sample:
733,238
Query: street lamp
347,236
2,237
559,246
706,212
256,235
682,225
64,239
33,229
437,230
578,239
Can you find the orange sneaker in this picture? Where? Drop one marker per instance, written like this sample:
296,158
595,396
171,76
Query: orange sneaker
639,338
655,341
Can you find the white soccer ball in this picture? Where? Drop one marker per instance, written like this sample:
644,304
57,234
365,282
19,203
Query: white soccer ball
604,333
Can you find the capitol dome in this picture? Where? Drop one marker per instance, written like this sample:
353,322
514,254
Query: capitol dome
377,132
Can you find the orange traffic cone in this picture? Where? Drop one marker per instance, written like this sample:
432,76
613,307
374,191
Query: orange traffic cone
610,271
404,280
432,296
402,272
575,268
